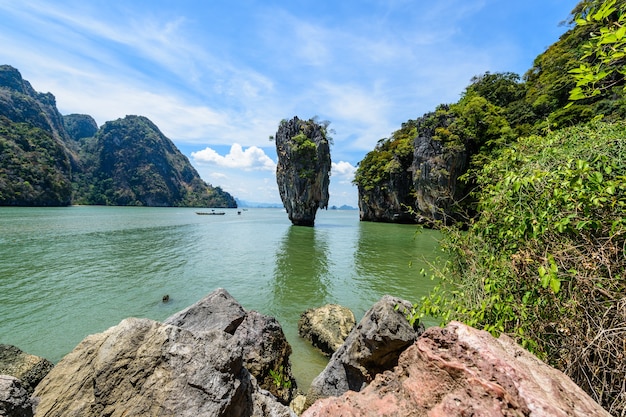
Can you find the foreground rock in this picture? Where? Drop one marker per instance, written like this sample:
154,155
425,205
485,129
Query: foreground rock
15,399
303,169
197,363
461,371
29,369
372,347
142,367
326,327
263,344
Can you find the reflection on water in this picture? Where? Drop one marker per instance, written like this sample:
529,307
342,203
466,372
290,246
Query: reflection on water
69,272
301,275
389,258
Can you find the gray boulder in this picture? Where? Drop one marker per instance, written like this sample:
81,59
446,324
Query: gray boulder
326,327
142,367
372,347
14,398
260,338
217,311
29,369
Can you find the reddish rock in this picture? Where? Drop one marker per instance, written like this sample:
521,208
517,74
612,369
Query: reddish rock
461,371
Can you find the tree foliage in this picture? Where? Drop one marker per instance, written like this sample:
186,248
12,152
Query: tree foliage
545,260
604,57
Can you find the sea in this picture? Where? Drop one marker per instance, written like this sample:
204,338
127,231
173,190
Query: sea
69,272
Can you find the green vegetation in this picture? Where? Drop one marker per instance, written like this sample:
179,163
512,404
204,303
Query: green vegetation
34,169
279,378
543,259
605,51
390,157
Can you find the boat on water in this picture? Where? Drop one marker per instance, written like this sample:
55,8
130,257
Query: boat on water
211,213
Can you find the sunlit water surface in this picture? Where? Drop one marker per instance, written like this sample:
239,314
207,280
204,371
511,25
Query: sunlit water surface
69,272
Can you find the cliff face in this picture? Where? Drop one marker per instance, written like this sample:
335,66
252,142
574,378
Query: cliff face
35,164
384,179
436,169
47,159
137,165
80,126
303,170
412,177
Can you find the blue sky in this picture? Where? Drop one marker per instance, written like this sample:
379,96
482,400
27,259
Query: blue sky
218,76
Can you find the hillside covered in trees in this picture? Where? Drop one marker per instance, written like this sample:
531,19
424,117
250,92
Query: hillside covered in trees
47,159
526,177
420,168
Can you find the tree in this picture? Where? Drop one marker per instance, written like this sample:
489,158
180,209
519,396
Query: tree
605,50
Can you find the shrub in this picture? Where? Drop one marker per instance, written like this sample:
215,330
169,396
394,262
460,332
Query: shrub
546,260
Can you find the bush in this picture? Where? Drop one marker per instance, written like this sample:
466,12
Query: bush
546,260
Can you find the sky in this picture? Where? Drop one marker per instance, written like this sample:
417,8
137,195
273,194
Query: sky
218,76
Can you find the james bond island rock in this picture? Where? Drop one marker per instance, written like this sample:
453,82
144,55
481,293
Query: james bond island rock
195,364
372,347
461,371
29,369
303,170
327,327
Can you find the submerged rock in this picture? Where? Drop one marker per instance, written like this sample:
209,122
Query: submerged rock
461,371
303,170
29,369
372,347
326,327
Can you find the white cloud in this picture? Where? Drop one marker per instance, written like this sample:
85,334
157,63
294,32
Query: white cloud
251,159
343,171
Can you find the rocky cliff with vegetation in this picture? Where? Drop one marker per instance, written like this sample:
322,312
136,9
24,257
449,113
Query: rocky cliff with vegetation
47,159
425,167
135,164
303,169
539,256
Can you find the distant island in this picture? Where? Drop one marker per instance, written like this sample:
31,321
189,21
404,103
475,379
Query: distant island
48,159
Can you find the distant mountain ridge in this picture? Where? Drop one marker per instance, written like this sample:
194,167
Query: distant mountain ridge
47,159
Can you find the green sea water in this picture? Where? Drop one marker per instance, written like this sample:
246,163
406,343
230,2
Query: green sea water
69,272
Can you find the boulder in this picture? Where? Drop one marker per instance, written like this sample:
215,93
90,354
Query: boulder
303,168
266,354
15,399
461,371
326,327
216,311
372,347
142,367
29,369
260,338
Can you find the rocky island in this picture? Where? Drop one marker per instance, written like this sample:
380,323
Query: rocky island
303,170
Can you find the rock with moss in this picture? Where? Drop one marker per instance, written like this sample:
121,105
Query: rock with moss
303,171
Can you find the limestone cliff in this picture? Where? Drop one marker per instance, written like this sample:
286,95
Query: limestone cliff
412,176
303,170
436,168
